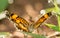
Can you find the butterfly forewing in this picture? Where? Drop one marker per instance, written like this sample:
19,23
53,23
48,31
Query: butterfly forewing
42,19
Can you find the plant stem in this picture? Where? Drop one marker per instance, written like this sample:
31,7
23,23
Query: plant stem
58,17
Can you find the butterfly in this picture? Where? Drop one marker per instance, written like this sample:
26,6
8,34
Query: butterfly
23,24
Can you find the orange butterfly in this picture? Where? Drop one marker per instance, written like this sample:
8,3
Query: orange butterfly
23,24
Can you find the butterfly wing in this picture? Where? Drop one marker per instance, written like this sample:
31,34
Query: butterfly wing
21,23
42,19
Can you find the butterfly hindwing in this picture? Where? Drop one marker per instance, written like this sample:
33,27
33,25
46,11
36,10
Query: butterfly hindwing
21,23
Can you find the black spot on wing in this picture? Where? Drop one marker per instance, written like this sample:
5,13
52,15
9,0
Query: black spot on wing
12,14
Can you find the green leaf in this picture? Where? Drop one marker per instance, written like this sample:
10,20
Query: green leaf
54,27
35,35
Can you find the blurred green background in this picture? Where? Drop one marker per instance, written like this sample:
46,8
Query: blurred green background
3,5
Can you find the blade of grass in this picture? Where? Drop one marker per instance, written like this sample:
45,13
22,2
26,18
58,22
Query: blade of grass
58,17
34,35
55,9
54,27
56,6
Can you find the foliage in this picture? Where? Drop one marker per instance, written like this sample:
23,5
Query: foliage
57,11
3,5
35,35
